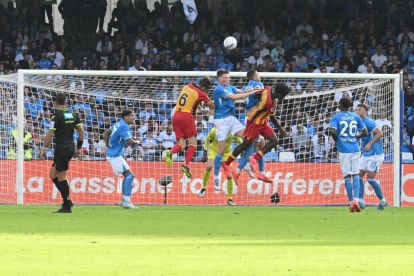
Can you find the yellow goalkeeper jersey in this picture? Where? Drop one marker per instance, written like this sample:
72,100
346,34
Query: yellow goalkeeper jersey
211,144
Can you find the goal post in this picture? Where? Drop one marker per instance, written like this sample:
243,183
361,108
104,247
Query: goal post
303,180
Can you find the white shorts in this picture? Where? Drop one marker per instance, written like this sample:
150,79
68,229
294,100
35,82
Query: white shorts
349,163
227,125
371,163
118,164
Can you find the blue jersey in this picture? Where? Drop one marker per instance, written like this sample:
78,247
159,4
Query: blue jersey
224,107
347,124
376,148
252,100
119,135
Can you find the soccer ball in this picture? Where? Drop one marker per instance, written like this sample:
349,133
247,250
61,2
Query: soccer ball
230,42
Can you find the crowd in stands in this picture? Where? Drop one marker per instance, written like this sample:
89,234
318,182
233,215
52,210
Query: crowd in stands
273,36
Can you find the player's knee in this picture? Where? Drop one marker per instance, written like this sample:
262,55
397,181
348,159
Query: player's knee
128,174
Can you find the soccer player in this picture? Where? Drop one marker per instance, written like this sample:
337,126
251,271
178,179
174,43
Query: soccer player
183,121
116,138
258,124
372,157
63,124
224,120
343,128
210,151
251,103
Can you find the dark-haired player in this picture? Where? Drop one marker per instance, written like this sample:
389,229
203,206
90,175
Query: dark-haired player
371,159
63,124
258,124
344,129
116,138
183,121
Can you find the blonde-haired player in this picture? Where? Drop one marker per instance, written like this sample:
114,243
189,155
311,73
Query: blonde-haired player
210,152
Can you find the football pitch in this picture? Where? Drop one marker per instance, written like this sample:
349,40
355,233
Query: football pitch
188,240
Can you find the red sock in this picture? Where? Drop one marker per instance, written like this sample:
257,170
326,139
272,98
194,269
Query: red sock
230,159
176,149
258,155
190,153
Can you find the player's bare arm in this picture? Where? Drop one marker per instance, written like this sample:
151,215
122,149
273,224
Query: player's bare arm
81,137
133,142
106,136
211,105
243,95
333,133
46,143
377,135
363,133
276,122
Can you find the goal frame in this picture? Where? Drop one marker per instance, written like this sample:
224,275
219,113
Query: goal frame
396,106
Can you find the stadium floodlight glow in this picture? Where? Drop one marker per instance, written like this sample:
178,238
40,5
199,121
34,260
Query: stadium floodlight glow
300,181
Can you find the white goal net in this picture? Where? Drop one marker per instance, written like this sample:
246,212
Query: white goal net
303,166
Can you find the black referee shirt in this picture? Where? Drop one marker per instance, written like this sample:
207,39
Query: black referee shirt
63,123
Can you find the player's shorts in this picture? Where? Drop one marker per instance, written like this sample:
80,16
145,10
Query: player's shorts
227,125
184,125
211,154
118,164
253,131
371,163
63,155
349,163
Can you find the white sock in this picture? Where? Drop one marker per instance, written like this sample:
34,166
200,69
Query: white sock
216,178
263,173
383,200
361,200
126,198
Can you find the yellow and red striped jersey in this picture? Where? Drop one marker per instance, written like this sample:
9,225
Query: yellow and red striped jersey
189,99
265,108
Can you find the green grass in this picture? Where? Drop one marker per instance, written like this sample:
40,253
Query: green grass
158,240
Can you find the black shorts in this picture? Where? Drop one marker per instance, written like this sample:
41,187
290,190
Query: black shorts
63,154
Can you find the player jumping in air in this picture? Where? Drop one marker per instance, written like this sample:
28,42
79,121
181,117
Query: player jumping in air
258,124
372,157
210,151
183,121
344,128
224,120
251,103
116,138
62,125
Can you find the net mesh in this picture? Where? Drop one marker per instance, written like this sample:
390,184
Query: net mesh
303,166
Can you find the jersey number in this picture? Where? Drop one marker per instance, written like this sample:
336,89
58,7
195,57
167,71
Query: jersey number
350,128
183,99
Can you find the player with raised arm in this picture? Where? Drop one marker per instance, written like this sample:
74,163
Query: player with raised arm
117,137
224,120
258,124
183,121
344,128
210,151
251,104
372,157
62,125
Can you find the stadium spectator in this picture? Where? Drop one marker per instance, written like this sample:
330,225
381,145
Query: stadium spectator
255,59
378,59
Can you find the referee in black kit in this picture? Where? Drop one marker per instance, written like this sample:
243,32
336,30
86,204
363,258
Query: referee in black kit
63,124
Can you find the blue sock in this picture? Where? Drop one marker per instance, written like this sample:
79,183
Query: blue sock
127,184
261,164
361,188
217,164
245,157
377,188
348,188
355,184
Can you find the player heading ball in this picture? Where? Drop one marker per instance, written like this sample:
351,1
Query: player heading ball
183,121
258,124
